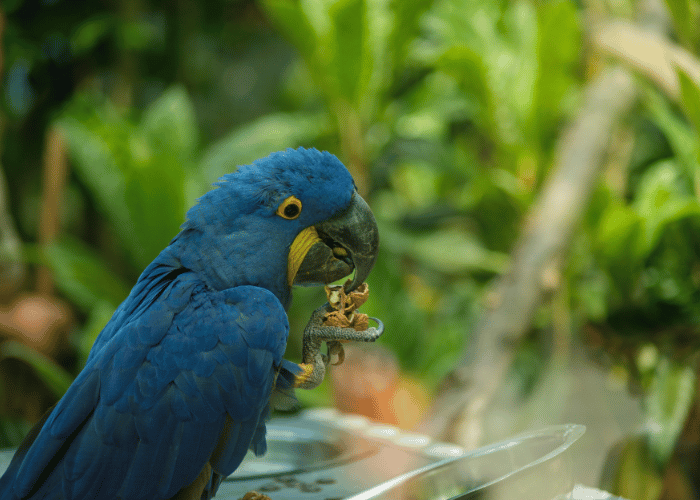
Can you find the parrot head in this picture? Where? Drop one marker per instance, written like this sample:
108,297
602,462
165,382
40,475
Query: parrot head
292,218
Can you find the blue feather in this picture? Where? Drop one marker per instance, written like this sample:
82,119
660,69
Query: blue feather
183,372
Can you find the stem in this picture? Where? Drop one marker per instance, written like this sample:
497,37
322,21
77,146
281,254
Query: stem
352,144
55,174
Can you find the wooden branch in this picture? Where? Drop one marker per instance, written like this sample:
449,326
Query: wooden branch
55,174
539,252
647,52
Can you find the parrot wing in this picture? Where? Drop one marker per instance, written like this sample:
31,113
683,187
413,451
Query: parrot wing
184,383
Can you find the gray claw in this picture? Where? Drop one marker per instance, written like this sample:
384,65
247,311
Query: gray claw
316,333
379,329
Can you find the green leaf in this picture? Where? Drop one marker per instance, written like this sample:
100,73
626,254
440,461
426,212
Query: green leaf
136,35
667,405
12,433
618,240
259,138
660,200
416,182
683,19
558,56
450,251
348,19
9,6
82,276
468,68
155,198
674,210
683,140
169,125
619,233
135,173
91,32
406,26
690,99
98,140
520,25
56,378
630,471
378,57
291,18
593,292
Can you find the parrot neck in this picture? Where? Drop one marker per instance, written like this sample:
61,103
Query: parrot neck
221,270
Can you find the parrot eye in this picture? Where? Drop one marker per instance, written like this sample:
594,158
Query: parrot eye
289,208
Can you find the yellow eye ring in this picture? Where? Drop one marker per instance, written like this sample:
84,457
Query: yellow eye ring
290,208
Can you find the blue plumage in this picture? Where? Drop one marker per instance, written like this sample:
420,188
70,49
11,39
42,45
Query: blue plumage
182,374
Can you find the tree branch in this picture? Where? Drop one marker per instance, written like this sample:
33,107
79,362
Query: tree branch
55,176
648,52
542,246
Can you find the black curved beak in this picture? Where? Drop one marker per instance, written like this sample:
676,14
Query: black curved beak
348,241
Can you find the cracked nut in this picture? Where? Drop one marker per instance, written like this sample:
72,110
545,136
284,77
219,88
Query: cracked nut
345,305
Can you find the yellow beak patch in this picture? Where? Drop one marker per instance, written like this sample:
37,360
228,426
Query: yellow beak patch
300,247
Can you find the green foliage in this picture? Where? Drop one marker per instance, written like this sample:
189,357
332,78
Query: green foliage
690,98
685,15
12,431
667,405
352,49
125,34
51,373
83,276
169,127
259,138
645,249
635,474
122,161
484,86
449,251
448,113
513,63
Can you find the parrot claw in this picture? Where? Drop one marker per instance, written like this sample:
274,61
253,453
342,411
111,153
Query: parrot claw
316,332
336,351
375,332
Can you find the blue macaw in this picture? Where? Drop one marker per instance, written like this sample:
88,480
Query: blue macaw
178,385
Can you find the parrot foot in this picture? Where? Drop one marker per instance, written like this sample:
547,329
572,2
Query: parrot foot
316,332
336,351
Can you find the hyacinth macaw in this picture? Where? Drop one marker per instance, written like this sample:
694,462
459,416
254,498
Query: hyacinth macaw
178,384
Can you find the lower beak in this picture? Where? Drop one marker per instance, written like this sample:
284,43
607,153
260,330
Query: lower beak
331,250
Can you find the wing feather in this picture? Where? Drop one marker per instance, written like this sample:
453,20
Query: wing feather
169,390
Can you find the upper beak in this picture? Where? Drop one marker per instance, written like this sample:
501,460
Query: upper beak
330,250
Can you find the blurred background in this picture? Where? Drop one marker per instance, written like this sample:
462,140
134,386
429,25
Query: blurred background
534,167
